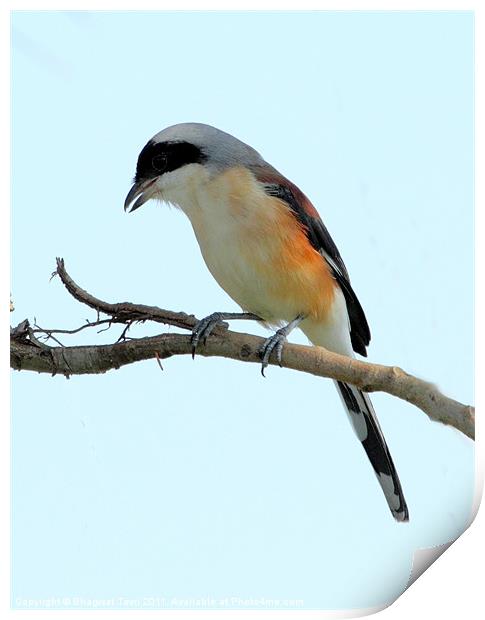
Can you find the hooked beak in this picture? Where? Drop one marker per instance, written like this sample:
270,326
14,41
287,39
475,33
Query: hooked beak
143,191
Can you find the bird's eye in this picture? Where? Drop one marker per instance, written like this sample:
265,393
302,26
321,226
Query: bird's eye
159,162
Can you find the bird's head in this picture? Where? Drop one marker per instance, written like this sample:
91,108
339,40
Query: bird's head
181,155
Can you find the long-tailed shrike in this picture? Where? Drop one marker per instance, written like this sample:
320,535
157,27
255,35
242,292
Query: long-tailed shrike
265,244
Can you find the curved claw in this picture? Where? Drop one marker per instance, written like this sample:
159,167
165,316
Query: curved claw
274,343
204,328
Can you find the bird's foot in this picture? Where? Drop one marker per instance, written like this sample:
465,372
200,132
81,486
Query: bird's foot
276,343
273,343
205,327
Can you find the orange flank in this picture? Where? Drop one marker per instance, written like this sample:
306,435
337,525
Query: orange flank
276,249
295,269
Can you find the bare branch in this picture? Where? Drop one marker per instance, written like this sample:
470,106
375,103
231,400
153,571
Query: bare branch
124,311
29,354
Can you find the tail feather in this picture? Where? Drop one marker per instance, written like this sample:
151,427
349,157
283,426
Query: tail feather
366,426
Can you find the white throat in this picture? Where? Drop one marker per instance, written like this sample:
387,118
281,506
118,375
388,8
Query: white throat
184,187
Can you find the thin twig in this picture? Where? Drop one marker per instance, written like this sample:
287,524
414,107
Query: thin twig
41,330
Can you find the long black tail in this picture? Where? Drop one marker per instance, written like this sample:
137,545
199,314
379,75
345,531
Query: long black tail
364,421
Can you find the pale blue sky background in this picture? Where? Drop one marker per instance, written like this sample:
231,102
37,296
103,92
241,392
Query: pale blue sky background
206,480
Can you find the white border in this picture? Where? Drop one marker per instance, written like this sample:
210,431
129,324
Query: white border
256,5
450,587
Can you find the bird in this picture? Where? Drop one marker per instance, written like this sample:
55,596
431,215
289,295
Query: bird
266,245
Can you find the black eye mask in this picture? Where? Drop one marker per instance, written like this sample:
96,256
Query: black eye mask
156,158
